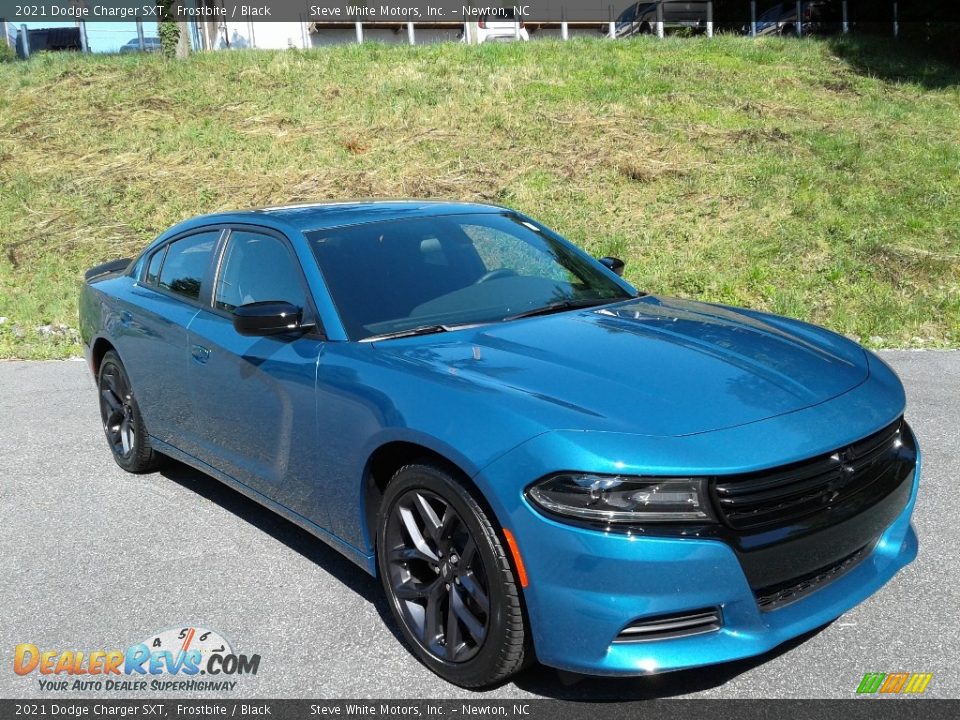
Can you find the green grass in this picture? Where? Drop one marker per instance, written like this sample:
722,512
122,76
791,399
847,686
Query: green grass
815,179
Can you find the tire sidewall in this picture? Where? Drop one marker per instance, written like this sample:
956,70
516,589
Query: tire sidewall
473,672
135,460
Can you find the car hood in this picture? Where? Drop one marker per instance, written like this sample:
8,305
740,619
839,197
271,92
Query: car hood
651,366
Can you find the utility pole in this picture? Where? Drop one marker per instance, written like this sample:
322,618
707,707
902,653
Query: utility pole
25,41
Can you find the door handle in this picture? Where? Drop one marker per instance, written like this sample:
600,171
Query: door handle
200,353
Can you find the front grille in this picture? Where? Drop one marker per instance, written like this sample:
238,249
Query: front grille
791,492
666,627
775,597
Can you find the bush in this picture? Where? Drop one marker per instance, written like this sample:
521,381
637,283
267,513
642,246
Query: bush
7,53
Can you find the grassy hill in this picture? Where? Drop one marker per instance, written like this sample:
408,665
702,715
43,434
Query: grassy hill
811,178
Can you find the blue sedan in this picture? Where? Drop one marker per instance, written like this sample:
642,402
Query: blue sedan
536,459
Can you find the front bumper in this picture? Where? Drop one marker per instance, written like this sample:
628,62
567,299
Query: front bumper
586,586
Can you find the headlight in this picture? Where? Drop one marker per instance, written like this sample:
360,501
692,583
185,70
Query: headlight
623,499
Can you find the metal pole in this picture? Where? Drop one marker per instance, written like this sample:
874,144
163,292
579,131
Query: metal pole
710,19
140,39
659,20
753,18
3,29
25,34
410,35
799,19
359,28
516,29
896,24
564,31
83,36
611,26
846,24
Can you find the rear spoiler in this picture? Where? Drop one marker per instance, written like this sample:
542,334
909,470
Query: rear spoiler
114,266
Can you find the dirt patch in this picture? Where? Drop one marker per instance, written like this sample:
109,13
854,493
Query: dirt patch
757,136
647,171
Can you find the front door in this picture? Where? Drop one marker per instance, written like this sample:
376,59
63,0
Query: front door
253,397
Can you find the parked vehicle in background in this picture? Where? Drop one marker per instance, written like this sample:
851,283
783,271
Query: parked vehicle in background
818,17
641,18
150,44
501,27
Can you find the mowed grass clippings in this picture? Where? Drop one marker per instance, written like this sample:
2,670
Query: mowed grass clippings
817,179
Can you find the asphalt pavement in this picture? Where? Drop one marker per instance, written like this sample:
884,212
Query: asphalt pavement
92,558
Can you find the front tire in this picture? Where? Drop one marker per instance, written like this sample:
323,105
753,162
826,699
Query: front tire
448,579
122,422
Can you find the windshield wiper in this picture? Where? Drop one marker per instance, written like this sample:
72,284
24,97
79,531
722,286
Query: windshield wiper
420,330
554,307
409,332
562,305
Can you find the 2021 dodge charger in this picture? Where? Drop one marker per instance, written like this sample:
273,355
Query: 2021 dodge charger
535,458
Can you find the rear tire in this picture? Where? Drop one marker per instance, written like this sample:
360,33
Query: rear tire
448,579
122,422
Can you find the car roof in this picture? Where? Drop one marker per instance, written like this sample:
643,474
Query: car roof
319,216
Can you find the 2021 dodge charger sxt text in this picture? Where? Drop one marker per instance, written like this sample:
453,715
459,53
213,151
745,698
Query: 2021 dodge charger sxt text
536,459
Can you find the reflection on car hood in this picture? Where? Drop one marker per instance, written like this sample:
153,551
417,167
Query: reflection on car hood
653,366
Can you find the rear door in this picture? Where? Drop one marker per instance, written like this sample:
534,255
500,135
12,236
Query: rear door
163,301
253,397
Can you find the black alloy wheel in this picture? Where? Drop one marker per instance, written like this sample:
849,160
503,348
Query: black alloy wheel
122,423
449,580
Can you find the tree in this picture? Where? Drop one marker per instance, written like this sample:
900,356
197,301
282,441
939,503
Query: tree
174,33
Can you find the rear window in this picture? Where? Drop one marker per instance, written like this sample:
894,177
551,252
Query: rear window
186,264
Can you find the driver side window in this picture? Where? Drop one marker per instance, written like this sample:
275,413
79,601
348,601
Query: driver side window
256,268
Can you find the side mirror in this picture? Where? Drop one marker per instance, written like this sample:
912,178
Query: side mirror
615,264
270,317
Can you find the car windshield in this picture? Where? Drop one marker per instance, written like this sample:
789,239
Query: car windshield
391,277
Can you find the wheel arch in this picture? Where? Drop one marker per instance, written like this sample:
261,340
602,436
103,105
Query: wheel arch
383,464
101,347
